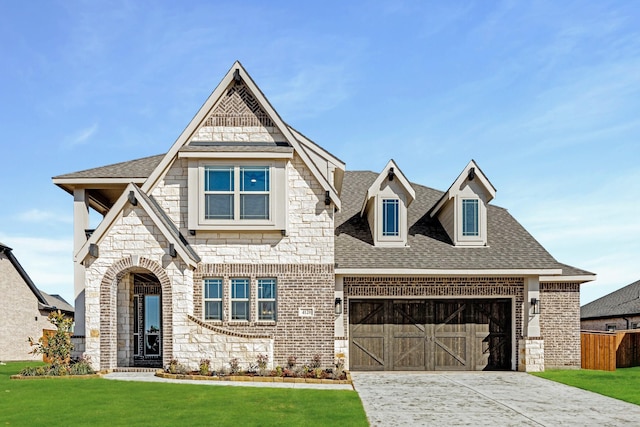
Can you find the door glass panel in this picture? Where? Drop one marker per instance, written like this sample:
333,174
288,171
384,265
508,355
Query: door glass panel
152,325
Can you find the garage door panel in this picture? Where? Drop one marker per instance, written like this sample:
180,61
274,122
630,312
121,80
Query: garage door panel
431,334
408,353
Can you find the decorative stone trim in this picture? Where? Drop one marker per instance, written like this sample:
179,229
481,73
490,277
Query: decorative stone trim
226,331
531,355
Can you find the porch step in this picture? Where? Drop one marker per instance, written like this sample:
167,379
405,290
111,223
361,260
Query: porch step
132,369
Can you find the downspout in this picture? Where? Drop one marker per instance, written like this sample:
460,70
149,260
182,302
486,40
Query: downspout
624,318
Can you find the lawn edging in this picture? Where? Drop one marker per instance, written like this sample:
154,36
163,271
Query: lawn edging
257,379
46,377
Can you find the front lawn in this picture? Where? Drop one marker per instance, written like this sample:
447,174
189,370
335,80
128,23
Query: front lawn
620,384
97,402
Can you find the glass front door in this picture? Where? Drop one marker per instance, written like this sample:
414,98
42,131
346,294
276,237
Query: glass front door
152,338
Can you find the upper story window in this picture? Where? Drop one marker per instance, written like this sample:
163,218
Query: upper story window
470,219
244,198
237,194
390,217
213,299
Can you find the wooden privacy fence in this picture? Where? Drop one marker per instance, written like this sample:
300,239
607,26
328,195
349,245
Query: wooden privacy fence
607,351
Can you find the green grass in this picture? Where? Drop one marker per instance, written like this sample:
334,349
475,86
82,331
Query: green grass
620,384
100,402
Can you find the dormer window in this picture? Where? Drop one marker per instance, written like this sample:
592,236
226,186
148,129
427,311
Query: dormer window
462,209
385,207
470,221
390,217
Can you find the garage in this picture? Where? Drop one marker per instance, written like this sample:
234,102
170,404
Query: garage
431,335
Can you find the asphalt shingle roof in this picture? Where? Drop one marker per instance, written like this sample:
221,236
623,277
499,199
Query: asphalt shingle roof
624,301
510,246
139,168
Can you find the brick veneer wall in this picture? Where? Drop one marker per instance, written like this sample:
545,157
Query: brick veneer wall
428,287
21,318
298,286
601,324
560,324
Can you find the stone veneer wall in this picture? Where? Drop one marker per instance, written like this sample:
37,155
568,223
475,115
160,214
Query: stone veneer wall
532,355
429,287
560,324
132,243
298,286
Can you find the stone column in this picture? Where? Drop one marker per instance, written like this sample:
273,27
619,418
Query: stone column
531,355
80,224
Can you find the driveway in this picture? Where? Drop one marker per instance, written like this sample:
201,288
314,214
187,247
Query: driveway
484,398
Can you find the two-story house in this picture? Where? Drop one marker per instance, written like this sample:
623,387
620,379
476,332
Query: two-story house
247,238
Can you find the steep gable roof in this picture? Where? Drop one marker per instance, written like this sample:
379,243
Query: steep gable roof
157,215
238,73
390,171
623,302
470,172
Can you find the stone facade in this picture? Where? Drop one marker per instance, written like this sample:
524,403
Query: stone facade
301,262
531,355
21,317
560,324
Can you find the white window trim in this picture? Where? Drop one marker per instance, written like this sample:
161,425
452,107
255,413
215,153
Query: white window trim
205,299
390,241
481,238
274,300
247,300
278,197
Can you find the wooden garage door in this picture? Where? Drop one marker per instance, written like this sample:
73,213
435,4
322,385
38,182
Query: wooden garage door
430,334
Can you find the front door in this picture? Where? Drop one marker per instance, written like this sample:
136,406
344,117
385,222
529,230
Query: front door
147,324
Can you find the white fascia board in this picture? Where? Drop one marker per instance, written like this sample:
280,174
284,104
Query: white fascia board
318,149
116,212
233,155
164,165
436,272
202,113
581,279
375,187
88,182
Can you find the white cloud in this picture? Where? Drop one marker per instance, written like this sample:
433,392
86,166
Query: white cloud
38,216
80,137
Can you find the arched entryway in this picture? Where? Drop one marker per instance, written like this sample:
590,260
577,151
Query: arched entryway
136,317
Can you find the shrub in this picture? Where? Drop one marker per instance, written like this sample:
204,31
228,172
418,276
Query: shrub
291,362
262,360
204,366
234,365
315,361
82,367
57,347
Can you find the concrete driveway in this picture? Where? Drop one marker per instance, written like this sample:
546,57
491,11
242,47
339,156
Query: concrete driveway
484,398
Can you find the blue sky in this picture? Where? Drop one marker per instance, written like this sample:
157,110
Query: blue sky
544,95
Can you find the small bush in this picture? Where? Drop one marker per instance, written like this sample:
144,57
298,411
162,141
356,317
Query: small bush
82,367
234,365
263,359
204,366
291,362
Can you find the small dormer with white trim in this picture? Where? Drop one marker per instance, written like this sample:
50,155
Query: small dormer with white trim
462,210
385,206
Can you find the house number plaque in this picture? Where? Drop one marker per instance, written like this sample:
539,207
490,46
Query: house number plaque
306,312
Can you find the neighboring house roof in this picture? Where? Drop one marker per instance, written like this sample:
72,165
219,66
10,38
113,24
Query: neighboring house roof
623,302
45,301
510,246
